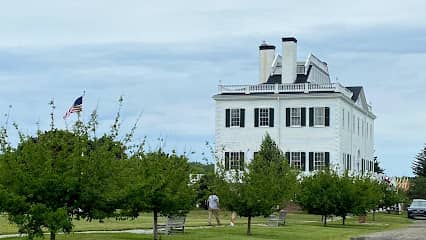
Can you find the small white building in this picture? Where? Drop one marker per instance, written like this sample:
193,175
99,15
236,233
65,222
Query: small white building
315,122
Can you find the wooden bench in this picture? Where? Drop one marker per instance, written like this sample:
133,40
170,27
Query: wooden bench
275,220
174,224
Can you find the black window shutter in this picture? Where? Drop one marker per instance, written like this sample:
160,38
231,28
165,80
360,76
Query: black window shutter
271,117
255,154
287,155
303,116
242,117
241,161
287,117
311,161
311,117
303,157
256,117
327,159
327,116
228,117
226,160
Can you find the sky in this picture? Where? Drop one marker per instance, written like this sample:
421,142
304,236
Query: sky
166,59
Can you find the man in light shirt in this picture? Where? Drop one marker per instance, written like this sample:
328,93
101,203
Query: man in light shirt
213,206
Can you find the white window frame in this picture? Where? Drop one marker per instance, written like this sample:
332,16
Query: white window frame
235,115
234,161
296,159
264,117
319,116
319,160
295,117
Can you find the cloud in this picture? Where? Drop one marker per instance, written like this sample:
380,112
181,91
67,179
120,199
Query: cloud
166,59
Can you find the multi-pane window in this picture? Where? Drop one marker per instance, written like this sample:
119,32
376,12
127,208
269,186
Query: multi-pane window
234,160
235,117
296,160
295,117
319,116
263,117
319,160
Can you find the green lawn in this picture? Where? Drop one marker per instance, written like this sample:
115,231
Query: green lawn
299,226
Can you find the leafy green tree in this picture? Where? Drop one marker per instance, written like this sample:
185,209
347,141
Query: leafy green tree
377,168
345,196
417,188
368,195
390,196
49,178
319,194
267,182
419,165
56,175
203,188
200,168
159,183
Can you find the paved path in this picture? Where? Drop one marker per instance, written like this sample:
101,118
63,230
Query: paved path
136,231
416,231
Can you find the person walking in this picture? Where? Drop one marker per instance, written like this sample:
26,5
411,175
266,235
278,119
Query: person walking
233,218
213,206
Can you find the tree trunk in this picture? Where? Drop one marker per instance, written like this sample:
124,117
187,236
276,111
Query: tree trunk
155,230
52,235
249,225
344,219
325,220
374,214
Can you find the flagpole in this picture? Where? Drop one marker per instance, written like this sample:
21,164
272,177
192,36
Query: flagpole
82,109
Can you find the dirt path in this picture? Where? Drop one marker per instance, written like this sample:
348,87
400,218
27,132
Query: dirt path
416,231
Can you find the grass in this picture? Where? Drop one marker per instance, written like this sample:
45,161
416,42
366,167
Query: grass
298,226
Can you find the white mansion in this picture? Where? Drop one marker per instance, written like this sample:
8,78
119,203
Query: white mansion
315,122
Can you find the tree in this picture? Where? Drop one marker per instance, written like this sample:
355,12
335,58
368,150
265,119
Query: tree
345,196
200,168
54,176
417,188
203,188
49,178
377,168
267,182
319,194
419,165
368,195
159,183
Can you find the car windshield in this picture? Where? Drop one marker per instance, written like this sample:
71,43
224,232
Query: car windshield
418,204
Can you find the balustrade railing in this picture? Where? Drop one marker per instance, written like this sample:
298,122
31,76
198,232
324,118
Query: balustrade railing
284,88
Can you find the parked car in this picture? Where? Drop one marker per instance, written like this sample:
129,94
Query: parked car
417,208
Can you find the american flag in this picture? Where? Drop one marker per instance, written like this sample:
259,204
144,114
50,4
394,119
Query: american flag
76,107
